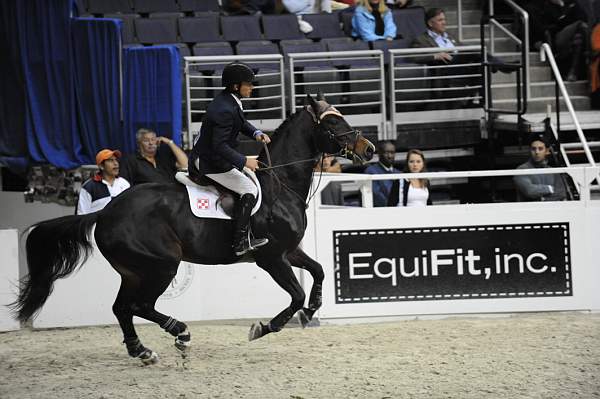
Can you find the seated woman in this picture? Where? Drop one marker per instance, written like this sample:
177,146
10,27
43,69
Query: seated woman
411,192
373,21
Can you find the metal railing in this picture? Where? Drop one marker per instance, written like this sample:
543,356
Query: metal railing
522,42
352,81
203,81
433,93
561,90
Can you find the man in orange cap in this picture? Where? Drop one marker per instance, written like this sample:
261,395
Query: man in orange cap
104,186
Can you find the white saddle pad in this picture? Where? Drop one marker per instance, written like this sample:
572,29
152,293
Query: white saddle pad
203,199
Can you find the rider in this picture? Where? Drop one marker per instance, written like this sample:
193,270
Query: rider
214,154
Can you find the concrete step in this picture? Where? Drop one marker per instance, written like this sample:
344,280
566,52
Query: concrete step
469,16
540,104
588,120
539,89
501,44
537,74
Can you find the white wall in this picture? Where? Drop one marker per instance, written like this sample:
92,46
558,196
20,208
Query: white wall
9,274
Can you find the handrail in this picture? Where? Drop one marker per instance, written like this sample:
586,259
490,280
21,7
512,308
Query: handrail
546,53
426,50
525,42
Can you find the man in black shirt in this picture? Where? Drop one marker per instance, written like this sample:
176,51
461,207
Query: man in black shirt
156,161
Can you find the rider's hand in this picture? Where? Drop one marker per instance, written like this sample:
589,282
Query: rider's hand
260,136
251,163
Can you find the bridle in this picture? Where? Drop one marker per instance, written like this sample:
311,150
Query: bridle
345,151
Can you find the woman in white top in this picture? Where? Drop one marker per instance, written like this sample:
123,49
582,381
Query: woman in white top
411,192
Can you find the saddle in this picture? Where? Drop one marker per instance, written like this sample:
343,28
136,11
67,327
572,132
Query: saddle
208,199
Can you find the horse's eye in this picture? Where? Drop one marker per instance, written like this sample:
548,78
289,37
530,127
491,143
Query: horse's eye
333,121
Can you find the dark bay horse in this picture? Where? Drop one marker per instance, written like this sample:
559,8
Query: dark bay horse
145,233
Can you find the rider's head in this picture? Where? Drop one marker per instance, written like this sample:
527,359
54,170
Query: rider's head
237,78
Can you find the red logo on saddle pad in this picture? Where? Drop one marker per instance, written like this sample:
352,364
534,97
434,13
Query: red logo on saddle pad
202,203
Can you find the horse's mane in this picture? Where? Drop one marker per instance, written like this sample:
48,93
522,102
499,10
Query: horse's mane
287,122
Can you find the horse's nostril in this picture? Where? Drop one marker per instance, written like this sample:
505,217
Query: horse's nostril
369,152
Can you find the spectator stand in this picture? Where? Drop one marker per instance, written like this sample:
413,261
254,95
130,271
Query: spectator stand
362,103
203,81
434,93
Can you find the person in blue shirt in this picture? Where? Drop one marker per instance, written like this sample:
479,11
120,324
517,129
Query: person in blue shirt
381,188
373,21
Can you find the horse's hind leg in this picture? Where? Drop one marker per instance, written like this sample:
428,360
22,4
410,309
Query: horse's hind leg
123,310
300,259
281,271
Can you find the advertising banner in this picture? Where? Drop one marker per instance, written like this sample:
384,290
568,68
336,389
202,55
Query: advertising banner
441,263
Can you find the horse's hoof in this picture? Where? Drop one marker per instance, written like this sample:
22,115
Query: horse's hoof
303,318
148,357
183,343
256,331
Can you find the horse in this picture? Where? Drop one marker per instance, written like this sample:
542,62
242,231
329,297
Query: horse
146,231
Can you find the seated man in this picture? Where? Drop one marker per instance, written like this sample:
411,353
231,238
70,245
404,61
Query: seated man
98,191
539,187
386,150
215,152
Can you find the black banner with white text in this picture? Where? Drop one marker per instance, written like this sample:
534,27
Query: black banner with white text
441,263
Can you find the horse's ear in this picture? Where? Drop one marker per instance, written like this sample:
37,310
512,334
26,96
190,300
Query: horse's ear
320,96
311,101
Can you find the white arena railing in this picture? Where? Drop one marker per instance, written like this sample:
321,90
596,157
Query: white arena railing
525,256
358,92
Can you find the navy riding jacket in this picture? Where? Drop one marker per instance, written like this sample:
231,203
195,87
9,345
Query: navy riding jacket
216,146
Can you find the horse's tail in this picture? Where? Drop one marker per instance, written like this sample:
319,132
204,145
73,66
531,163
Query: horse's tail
54,250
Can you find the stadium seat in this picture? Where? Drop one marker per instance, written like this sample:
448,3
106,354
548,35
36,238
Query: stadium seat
200,29
346,18
386,45
109,6
341,45
82,6
199,5
149,6
208,49
128,27
324,26
410,22
281,27
259,47
164,14
156,30
303,46
241,28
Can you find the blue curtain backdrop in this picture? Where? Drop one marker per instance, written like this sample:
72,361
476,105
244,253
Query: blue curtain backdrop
97,70
44,28
13,143
152,92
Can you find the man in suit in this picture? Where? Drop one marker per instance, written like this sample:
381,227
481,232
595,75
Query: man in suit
215,156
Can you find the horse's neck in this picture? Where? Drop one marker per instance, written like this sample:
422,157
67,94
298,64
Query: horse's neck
294,144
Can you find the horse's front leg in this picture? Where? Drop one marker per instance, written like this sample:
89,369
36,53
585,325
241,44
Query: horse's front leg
299,258
281,271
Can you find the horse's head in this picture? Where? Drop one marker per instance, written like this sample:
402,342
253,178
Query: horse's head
334,135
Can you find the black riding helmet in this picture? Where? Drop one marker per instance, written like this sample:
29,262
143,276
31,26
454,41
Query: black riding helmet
236,73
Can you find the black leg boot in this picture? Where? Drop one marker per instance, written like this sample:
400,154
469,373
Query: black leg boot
242,242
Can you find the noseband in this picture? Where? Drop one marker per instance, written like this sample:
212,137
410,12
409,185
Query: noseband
345,151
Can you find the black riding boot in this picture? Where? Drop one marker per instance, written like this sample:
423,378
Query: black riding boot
242,242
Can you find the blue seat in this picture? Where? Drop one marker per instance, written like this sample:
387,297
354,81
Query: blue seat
410,22
346,18
387,45
128,27
165,14
108,6
199,5
208,49
149,6
241,28
259,47
156,30
303,46
348,45
324,26
200,29
281,27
